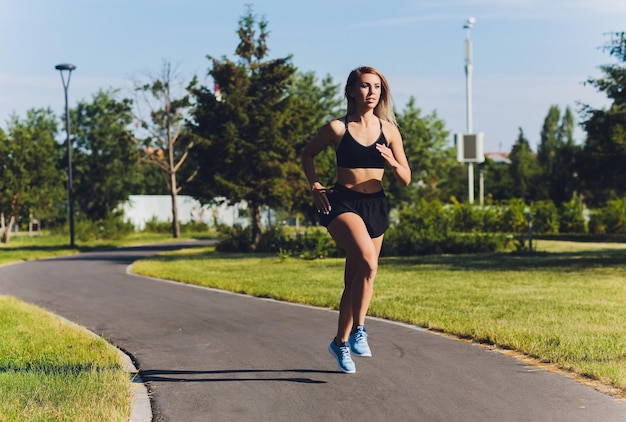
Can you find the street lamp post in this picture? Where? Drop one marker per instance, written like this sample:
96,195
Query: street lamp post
469,68
68,67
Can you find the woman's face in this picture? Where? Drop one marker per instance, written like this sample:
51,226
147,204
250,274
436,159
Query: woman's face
366,92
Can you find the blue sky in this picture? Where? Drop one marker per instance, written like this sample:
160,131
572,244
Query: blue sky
528,54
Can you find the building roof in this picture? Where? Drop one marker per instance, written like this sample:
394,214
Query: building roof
498,157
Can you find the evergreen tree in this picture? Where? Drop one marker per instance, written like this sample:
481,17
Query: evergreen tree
602,159
565,177
524,169
566,129
547,150
248,151
498,181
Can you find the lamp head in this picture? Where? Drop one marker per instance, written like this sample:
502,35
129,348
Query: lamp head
470,23
65,66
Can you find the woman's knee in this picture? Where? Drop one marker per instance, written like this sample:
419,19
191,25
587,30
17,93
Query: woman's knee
368,264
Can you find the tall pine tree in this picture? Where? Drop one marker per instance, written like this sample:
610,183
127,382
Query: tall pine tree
524,169
602,167
248,152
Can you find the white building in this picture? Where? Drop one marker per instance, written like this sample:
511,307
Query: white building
140,209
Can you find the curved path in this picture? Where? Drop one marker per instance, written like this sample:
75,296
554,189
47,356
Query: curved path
208,355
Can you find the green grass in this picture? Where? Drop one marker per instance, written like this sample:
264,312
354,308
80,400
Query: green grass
564,305
51,370
27,248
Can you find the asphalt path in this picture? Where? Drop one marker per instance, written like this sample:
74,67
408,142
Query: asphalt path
208,355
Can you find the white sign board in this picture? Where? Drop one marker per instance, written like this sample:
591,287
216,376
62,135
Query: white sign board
469,147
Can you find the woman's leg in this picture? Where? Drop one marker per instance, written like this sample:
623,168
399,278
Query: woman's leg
349,231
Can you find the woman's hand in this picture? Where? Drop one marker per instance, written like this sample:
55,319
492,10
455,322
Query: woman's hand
319,198
387,155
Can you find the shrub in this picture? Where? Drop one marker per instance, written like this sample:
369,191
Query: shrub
424,228
193,227
466,218
112,228
155,226
314,243
596,223
545,217
571,218
234,239
492,219
514,216
614,216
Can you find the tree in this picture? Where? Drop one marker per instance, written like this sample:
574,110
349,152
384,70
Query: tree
524,169
498,181
604,154
566,129
313,103
425,140
547,150
30,179
556,155
565,184
168,139
602,159
248,152
106,158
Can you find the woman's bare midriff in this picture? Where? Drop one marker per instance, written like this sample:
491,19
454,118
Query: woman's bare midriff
361,180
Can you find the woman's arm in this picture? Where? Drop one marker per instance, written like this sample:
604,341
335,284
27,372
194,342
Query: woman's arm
326,136
394,154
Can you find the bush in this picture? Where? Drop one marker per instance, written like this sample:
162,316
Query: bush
314,243
192,226
234,239
423,228
514,216
112,228
571,218
613,215
155,226
596,223
545,217
466,218
493,220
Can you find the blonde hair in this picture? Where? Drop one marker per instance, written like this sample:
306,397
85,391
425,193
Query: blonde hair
384,108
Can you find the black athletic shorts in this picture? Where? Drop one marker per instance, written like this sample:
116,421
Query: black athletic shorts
373,208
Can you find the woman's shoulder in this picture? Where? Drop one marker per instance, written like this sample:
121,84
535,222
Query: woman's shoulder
390,129
331,132
336,126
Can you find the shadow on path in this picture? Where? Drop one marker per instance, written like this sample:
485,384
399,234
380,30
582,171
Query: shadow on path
170,375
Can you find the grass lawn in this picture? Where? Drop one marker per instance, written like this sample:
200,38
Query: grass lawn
564,305
51,370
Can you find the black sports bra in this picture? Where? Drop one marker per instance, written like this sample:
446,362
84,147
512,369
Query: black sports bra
353,155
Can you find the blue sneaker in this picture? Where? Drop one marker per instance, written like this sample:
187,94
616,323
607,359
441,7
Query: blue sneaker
342,354
358,342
